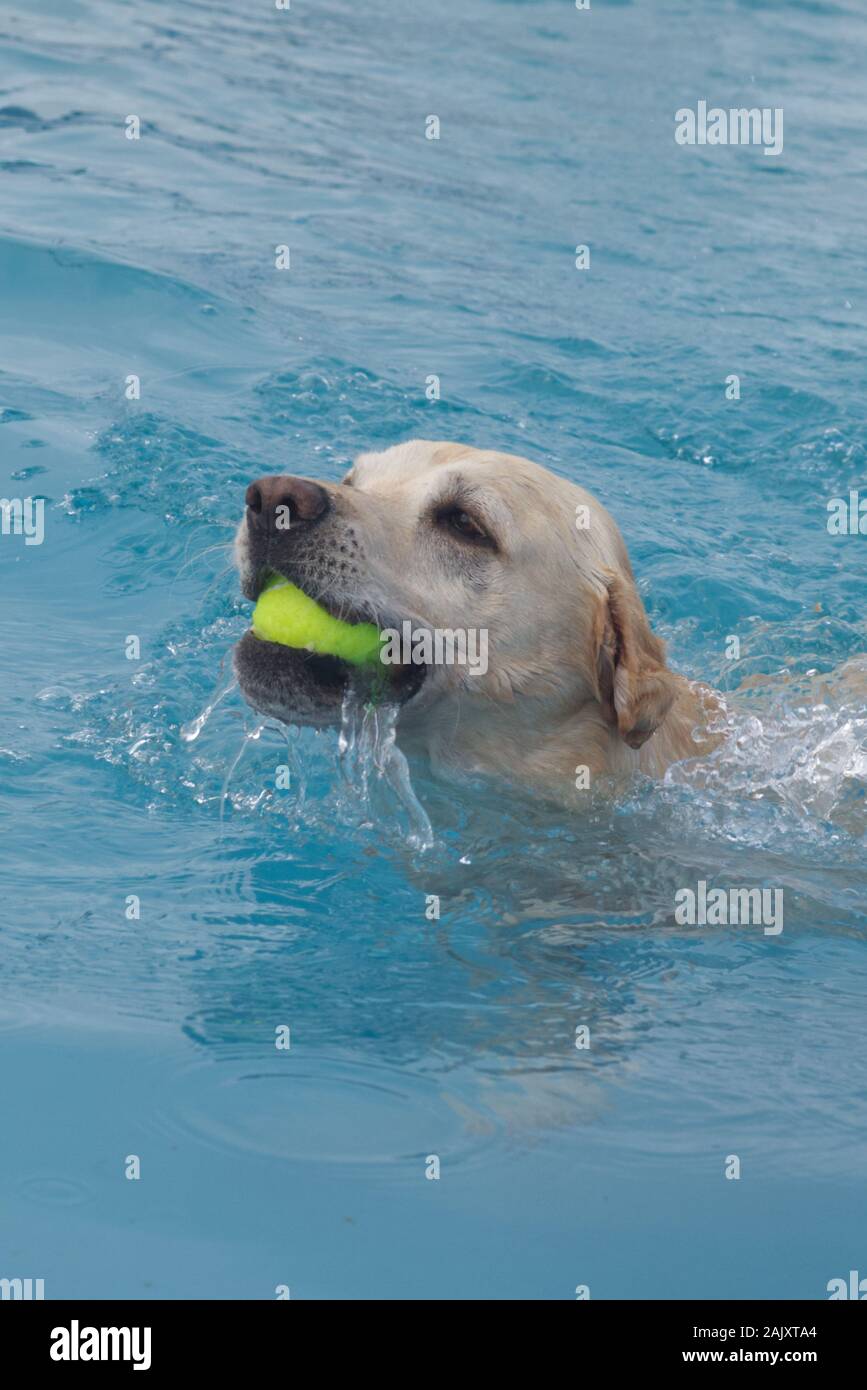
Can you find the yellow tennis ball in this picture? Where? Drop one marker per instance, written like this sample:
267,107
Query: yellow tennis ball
287,615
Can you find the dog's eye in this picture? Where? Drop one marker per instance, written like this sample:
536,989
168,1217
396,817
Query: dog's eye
463,525
347,481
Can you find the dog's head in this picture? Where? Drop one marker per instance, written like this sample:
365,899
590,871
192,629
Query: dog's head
447,538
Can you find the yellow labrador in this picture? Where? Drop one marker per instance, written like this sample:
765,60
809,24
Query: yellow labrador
551,665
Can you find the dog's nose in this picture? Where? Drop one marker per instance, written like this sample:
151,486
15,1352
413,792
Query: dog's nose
278,502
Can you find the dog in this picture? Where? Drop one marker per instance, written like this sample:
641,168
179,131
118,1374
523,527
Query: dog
447,538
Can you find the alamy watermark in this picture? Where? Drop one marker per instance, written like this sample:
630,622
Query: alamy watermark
77,1343
730,907
438,646
853,1287
740,125
22,1288
847,516
23,516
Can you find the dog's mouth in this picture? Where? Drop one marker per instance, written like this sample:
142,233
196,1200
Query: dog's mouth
348,612
301,686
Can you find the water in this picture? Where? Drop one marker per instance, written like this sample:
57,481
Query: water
305,905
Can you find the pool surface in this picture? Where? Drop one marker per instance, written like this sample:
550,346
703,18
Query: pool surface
167,907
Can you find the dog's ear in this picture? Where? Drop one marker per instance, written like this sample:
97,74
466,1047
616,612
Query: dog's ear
635,687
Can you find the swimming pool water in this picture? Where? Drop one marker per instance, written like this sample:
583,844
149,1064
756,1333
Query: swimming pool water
262,907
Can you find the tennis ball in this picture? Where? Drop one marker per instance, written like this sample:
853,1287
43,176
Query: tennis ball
287,615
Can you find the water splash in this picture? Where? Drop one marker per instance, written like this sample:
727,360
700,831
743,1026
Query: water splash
367,749
190,731
250,736
808,759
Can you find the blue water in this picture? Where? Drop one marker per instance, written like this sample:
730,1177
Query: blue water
305,906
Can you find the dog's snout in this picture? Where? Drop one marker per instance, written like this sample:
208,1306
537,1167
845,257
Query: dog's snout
278,502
